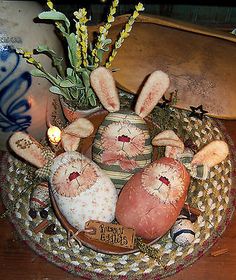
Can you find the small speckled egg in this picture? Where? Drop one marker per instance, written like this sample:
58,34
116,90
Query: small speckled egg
81,190
182,232
39,198
122,146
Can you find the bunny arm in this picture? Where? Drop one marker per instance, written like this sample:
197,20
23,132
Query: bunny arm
104,86
71,135
27,148
152,91
212,154
168,138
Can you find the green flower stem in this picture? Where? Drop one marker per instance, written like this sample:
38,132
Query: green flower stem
73,82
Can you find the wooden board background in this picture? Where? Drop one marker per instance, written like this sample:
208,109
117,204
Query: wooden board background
201,62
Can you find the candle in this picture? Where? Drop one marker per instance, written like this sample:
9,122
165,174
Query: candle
54,134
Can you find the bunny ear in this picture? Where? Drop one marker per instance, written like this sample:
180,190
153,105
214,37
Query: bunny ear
27,148
211,154
168,138
69,142
154,88
103,84
71,135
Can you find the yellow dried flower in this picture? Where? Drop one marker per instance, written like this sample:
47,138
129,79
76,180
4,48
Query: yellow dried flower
125,33
81,16
31,60
112,10
135,14
110,19
27,54
128,28
139,7
82,37
103,30
50,4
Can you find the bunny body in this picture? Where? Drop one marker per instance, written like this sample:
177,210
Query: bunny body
152,199
122,146
81,190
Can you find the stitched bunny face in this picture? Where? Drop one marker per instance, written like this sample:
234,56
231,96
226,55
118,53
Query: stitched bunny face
122,144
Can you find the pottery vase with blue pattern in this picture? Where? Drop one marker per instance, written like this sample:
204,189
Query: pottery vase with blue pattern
23,98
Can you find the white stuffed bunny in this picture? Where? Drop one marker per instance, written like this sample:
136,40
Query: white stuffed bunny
80,188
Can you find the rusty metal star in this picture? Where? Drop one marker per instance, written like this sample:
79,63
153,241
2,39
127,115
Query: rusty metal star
197,112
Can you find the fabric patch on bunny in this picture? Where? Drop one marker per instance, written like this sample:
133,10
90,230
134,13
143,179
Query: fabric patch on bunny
122,144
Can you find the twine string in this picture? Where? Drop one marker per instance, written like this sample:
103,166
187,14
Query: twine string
71,235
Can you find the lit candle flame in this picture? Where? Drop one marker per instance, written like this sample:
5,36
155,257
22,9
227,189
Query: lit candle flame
54,134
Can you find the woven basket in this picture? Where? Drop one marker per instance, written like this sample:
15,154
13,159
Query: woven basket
214,197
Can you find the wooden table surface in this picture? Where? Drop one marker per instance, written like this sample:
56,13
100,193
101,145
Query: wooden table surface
17,261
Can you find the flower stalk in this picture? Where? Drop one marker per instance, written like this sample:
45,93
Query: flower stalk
73,81
124,33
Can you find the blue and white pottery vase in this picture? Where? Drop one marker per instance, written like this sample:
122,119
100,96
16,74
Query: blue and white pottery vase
23,98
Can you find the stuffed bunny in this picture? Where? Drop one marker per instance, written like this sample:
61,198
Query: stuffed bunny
80,188
122,145
152,199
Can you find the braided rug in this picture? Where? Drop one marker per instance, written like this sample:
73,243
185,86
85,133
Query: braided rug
214,197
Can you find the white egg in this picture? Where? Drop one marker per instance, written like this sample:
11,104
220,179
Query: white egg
182,231
81,190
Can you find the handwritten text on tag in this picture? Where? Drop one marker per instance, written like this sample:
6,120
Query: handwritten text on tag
113,234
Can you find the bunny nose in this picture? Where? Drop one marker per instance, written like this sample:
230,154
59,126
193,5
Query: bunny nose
73,175
164,180
123,138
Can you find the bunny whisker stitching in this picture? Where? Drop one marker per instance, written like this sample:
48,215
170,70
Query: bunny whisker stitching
83,167
100,152
138,135
157,189
167,194
81,164
120,127
129,130
123,127
129,158
145,156
167,171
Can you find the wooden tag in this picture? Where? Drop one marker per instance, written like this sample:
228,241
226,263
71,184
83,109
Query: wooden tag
113,234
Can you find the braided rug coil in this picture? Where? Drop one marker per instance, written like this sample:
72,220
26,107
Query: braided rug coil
214,197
